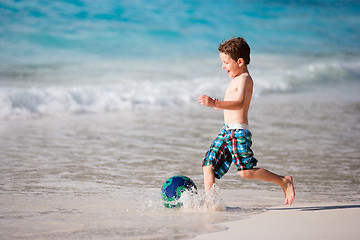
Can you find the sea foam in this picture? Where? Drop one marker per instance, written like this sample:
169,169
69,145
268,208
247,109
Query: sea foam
108,88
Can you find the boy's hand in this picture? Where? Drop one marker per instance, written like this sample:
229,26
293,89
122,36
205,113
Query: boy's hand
207,101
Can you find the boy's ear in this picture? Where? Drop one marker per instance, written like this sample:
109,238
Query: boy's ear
240,61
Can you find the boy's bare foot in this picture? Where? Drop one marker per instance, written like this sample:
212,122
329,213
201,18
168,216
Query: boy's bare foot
289,190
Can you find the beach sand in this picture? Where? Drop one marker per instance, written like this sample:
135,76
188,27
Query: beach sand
308,221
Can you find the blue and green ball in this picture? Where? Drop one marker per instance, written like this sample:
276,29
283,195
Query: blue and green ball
173,188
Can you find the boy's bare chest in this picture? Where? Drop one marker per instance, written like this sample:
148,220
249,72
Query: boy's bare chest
231,91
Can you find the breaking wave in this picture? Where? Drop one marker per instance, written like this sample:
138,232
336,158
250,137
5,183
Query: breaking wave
21,101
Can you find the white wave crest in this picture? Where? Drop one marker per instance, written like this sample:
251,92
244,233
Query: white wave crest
22,102
125,91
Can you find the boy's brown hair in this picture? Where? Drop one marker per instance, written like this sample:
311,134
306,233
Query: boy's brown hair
236,48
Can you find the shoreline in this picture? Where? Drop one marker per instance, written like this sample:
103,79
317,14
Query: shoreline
300,221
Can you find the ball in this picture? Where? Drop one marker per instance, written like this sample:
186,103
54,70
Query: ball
173,188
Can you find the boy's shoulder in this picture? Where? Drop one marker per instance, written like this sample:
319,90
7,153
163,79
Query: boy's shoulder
243,79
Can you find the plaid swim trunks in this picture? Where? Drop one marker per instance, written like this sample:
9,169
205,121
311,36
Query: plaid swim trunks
232,145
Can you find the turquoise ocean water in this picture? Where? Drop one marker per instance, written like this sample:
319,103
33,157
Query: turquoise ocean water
55,55
66,31
98,108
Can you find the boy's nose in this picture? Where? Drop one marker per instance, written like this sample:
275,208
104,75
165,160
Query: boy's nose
223,66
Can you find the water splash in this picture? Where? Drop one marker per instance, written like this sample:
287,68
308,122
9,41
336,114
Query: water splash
208,201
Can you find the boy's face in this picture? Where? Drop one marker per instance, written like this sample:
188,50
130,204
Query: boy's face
232,67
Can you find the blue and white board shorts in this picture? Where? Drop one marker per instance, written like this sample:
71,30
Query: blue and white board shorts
233,144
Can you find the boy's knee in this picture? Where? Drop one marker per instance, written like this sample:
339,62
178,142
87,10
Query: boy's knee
245,173
207,168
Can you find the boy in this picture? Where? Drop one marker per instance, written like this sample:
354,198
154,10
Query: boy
233,144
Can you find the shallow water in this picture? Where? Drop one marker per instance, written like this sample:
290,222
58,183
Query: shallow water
97,177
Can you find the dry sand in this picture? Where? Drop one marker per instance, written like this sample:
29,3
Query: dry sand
296,222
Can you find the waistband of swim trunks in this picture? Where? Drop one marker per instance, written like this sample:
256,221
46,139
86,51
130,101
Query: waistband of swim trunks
233,126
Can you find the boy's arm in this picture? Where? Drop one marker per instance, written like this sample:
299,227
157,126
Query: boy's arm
225,105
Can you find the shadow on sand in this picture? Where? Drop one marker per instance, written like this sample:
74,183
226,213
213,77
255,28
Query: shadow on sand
316,208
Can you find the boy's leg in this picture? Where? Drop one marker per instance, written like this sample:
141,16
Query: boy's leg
285,182
211,198
209,177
